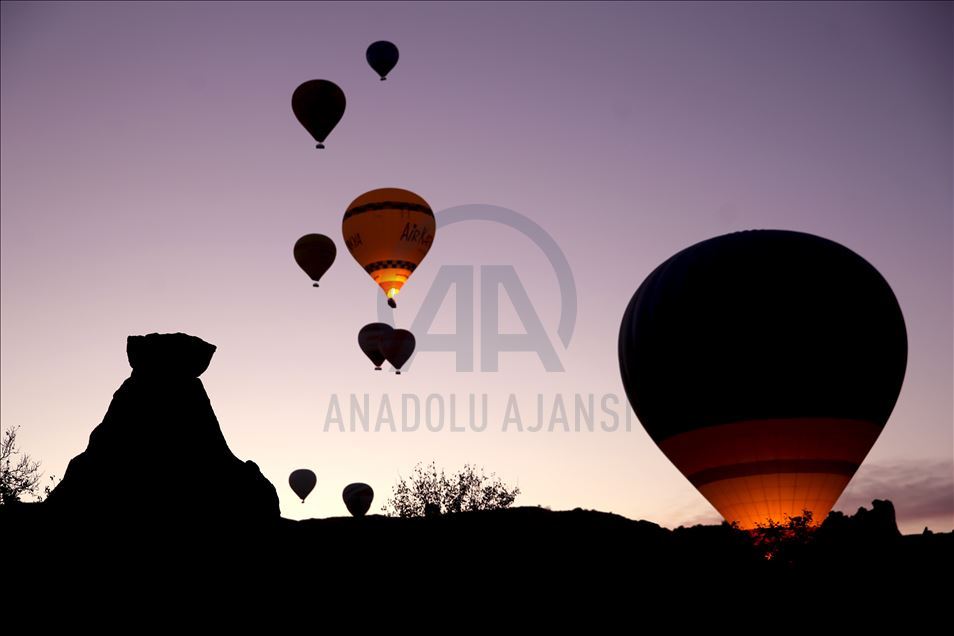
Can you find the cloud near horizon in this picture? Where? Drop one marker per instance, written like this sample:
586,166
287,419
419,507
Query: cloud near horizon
921,491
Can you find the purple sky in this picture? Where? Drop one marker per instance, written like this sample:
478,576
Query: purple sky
155,179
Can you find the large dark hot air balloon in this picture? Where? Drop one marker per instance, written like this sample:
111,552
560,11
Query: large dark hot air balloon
389,232
369,339
358,498
318,105
315,253
302,481
382,56
764,364
397,347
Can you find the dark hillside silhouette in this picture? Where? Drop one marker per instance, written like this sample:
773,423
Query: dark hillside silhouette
158,502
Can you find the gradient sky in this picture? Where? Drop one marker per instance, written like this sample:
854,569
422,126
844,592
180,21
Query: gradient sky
153,178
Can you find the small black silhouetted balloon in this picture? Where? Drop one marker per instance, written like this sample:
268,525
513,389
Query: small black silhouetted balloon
382,56
302,481
369,339
315,253
358,498
318,105
397,346
764,364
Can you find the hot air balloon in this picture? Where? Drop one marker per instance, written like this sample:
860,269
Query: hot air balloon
397,346
382,56
369,339
315,253
302,481
389,232
764,364
358,498
318,105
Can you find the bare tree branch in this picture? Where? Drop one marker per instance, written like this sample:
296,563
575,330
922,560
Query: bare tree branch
19,474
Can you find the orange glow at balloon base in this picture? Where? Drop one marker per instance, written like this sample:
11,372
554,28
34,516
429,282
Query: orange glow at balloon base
762,471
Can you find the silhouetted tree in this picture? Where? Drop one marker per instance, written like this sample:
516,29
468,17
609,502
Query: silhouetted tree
784,542
19,474
429,493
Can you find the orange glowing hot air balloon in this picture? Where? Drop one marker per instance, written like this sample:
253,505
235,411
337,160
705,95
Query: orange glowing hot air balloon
389,232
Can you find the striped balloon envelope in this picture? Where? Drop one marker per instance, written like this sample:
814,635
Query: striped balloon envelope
764,364
357,498
389,232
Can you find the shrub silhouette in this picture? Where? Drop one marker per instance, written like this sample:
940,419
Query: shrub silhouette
784,542
429,493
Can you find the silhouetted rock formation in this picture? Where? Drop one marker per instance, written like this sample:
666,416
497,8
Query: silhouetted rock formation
159,455
879,523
